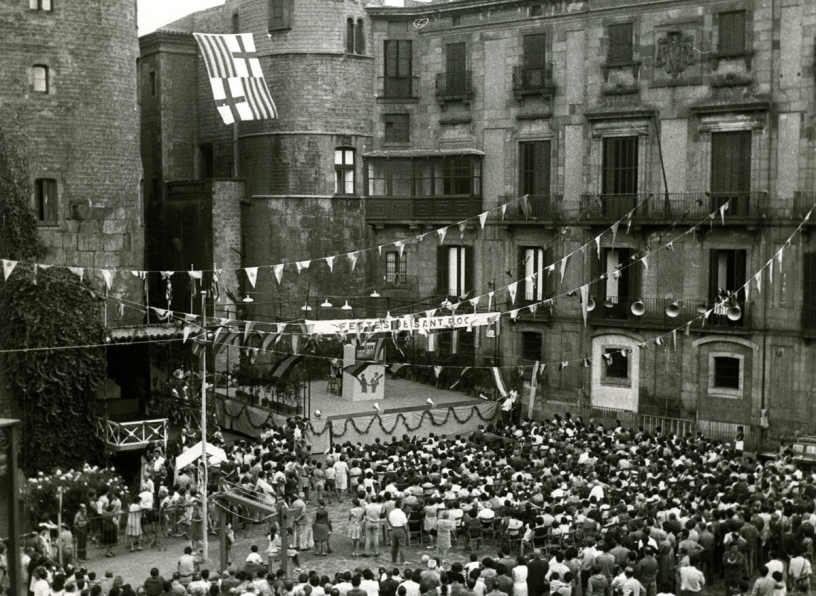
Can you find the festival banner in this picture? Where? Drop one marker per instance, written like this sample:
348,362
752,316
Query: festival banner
408,323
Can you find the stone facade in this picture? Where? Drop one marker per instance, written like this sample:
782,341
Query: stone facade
713,101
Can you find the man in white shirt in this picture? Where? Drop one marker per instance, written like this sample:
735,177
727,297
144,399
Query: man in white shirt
410,586
398,522
692,579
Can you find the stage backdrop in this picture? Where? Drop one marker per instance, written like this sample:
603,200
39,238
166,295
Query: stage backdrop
240,417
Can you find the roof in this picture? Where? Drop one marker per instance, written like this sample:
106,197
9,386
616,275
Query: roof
422,152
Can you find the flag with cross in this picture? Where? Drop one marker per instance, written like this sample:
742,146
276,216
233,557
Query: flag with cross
236,77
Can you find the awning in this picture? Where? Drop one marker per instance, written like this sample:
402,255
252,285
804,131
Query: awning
423,153
216,454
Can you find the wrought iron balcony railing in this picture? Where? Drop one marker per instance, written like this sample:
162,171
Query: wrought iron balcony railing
674,206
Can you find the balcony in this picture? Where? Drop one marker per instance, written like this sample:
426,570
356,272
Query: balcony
743,207
451,89
658,313
536,209
533,81
395,209
130,436
803,202
809,321
398,89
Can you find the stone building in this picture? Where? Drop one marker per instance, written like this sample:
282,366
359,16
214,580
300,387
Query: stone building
591,109
68,87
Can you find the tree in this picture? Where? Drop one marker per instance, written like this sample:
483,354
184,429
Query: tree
52,390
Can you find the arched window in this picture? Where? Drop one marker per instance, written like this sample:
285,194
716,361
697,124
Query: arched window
349,36
359,38
236,23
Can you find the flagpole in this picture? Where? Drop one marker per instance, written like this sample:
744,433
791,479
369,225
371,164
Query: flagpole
203,359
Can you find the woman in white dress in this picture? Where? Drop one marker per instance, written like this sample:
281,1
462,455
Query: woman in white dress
520,577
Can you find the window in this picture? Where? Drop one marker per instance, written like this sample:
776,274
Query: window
534,61
454,270
280,14
396,267
44,5
809,292
617,364
621,49
456,20
536,10
531,345
456,69
359,38
726,372
534,162
344,171
731,32
426,177
355,37
39,78
532,261
726,276
152,77
236,23
45,200
207,160
731,171
620,285
398,79
619,176
396,128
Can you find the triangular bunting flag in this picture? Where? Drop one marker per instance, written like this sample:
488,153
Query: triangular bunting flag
430,313
247,329
586,362
186,333
598,244
514,314
278,269
533,308
482,219
437,370
563,365
121,309
490,300
615,231
462,226
504,210
607,358
400,244
584,300
658,341
645,261
461,374
758,280
670,246
106,275
779,257
78,271
628,222
723,207
688,329
770,267
353,258
512,289
379,249
330,263
563,267
301,265
441,232
474,302
8,267
196,274
252,274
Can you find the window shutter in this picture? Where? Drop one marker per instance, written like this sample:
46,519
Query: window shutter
455,68
522,287
442,270
739,273
713,274
544,279
535,50
542,168
469,286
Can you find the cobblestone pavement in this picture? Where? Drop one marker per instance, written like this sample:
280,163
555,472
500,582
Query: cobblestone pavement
135,567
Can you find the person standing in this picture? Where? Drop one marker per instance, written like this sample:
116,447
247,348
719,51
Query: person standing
735,567
301,523
648,571
444,532
322,529
399,532
692,579
520,574
186,566
341,476
134,525
373,511
537,570
81,529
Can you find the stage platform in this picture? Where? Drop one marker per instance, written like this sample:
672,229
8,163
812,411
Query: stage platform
401,395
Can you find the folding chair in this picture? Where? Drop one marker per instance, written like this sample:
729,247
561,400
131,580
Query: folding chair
415,529
488,527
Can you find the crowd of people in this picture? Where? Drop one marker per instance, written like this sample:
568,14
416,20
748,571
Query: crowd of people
585,510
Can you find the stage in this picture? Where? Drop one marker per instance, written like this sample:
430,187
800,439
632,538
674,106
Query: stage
404,410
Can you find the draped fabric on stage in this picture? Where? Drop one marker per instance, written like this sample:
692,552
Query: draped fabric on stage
246,419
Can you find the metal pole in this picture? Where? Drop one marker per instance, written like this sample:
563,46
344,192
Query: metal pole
222,522
203,359
59,525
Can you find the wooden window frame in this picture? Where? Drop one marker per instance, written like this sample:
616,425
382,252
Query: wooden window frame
341,169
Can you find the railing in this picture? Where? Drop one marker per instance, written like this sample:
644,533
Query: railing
398,87
407,208
809,320
659,311
803,202
528,81
673,206
455,89
126,436
536,207
660,425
